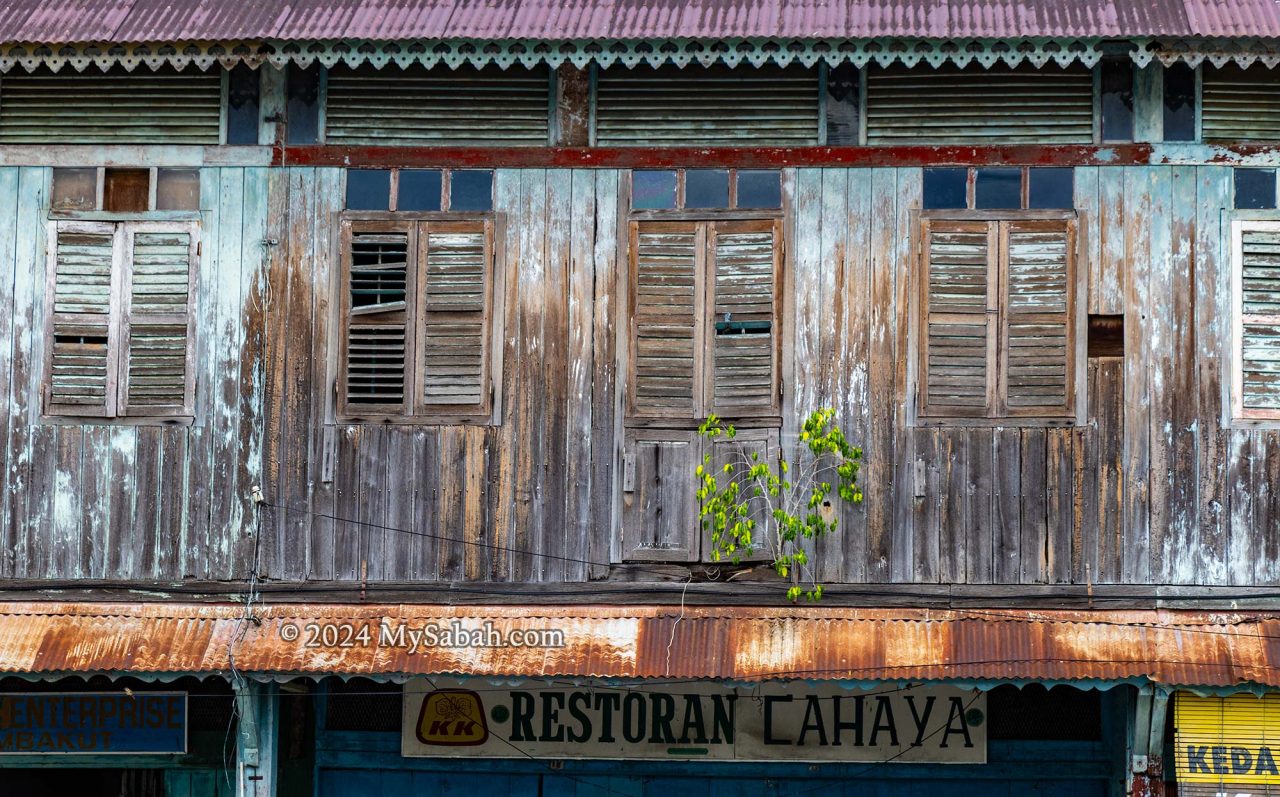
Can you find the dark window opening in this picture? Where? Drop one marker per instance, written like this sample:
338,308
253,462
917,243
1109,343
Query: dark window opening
1106,336
420,190
75,189
706,188
1179,103
759,189
946,188
362,705
471,191
127,190
842,105
97,341
243,114
1051,188
1033,712
302,104
177,189
1117,99
368,189
997,189
379,268
653,190
1255,189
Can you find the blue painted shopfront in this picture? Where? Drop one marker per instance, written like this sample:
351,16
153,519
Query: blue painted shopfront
364,763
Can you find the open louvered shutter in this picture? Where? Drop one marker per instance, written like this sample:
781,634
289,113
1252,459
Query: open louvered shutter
376,362
959,308
665,296
158,282
1038,329
923,104
455,278
1240,104
743,377
1257,290
80,369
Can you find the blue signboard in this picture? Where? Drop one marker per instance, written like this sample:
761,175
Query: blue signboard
33,723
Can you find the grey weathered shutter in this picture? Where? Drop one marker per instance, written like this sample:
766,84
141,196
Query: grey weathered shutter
145,106
958,308
159,278
376,297
743,378
706,106
456,273
440,106
1240,104
665,290
1258,331
81,370
973,104
1039,340
659,508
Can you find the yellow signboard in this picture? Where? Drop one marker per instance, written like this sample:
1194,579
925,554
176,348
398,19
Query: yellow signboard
1230,743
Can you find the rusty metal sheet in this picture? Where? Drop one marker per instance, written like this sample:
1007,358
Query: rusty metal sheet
130,21
1165,647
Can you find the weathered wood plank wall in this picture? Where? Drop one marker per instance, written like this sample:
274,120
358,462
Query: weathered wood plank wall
1152,489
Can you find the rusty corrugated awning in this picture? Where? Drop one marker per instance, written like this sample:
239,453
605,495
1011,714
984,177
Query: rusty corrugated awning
130,21
1165,647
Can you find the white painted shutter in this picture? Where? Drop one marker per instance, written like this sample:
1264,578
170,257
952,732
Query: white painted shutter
1038,327
454,331
959,312
158,282
1258,330
666,306
744,369
375,361
80,379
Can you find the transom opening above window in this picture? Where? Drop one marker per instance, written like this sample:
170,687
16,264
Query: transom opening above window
706,189
420,190
999,188
1255,189
125,190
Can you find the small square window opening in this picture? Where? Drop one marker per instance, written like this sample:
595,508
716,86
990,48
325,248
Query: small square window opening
1255,189
368,189
946,189
653,190
471,191
759,189
706,188
420,190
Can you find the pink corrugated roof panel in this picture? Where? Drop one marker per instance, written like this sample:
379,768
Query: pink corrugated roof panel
201,20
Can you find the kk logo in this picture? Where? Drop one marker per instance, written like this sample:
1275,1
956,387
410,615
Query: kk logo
452,717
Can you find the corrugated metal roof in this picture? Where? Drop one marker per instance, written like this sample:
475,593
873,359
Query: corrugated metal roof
129,21
1165,647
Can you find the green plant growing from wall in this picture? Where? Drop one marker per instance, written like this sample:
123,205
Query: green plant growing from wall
748,503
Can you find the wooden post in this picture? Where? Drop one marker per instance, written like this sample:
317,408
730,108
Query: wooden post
258,710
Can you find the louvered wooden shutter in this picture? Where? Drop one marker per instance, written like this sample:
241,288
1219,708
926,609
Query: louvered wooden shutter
975,105
1240,104
376,363
666,304
1038,330
743,377
440,106
1257,305
707,106
454,332
80,370
164,106
157,293
959,309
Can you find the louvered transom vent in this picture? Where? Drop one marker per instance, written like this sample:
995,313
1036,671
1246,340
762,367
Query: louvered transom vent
665,319
1240,104
79,366
377,326
958,330
441,106
454,334
82,272
1260,319
997,105
743,370
118,107
711,106
1038,300
161,276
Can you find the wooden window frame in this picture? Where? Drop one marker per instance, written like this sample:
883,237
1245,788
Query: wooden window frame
117,409
1239,414
414,409
1077,327
705,225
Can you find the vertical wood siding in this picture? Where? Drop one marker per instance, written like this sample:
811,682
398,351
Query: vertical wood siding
1152,488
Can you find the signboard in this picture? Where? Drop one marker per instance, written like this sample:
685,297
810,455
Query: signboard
771,722
92,722
1227,745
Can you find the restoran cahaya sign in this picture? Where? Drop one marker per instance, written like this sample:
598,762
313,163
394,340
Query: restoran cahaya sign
767,722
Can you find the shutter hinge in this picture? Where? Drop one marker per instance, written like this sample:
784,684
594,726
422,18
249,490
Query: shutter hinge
628,473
